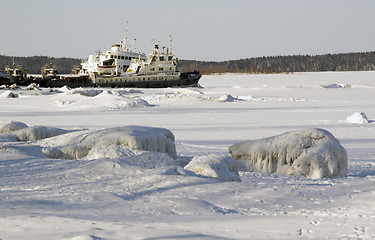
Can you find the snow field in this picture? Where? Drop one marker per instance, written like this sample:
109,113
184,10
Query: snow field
115,192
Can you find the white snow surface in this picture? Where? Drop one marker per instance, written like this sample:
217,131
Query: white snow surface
116,192
313,153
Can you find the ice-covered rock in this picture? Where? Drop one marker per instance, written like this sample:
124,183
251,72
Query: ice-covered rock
314,153
357,117
26,134
215,166
87,92
132,137
11,126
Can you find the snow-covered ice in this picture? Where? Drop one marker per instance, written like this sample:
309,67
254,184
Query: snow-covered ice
110,190
313,153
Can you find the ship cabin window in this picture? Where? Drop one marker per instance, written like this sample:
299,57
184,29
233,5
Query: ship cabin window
170,58
111,56
160,69
152,69
161,58
108,62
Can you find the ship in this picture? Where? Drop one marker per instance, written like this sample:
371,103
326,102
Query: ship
18,75
120,67
49,71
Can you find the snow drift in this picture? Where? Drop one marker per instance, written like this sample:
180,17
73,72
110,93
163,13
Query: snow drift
215,166
313,153
99,143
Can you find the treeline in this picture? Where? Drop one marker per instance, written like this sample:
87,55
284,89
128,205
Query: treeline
33,65
285,64
278,64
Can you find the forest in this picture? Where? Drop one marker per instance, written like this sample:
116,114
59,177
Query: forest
285,64
362,61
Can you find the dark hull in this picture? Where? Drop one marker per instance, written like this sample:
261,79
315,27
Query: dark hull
184,79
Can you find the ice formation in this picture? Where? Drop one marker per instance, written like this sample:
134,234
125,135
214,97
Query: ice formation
313,153
357,117
11,126
87,92
25,134
335,85
130,137
8,94
215,166
226,98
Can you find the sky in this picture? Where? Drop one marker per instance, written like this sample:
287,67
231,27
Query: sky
209,30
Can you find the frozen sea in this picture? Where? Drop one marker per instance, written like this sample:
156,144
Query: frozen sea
56,198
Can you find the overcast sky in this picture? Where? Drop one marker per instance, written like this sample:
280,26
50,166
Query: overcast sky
201,29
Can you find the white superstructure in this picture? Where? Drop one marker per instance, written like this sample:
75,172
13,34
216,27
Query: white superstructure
112,62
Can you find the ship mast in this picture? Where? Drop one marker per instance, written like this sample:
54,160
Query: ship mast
125,38
170,43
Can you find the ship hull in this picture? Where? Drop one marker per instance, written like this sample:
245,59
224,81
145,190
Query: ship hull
181,80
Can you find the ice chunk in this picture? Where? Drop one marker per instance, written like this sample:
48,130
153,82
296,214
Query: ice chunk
87,92
133,137
357,117
11,126
226,98
215,166
8,94
314,153
335,85
32,133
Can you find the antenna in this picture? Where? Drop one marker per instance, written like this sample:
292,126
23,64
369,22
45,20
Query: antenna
126,36
134,45
170,43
